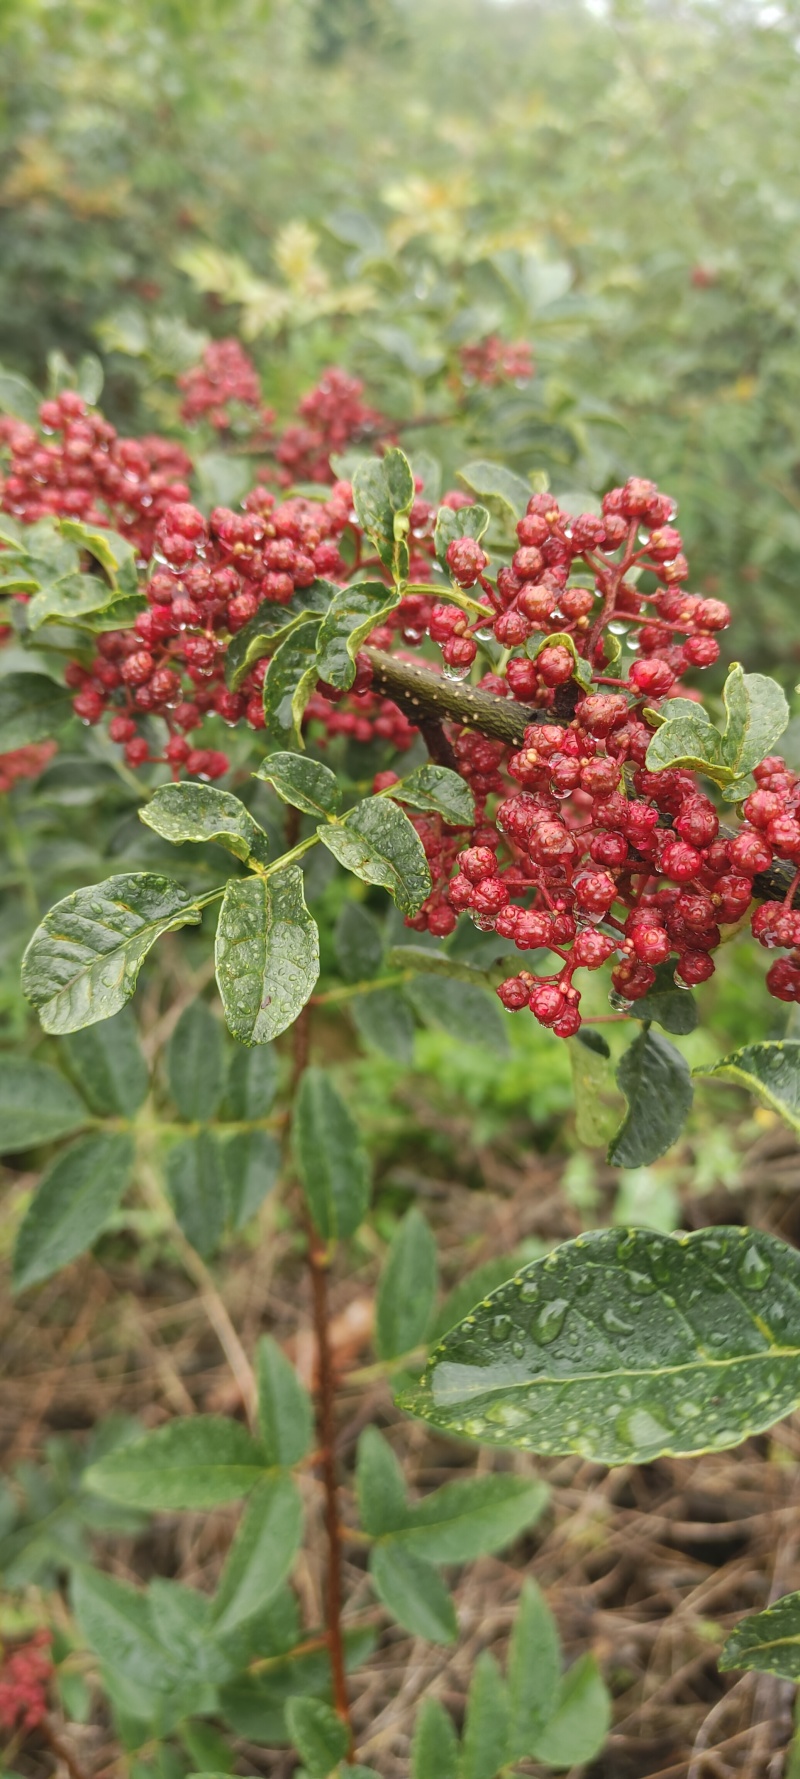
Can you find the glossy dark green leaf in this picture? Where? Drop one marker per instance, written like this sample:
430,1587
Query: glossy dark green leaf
413,1592
380,1487
109,1066
671,1007
688,740
198,812
622,1345
770,1070
305,784
262,1553
377,842
285,1411
197,1189
197,1462
407,1288
267,954
768,1641
252,1083
470,1290
473,1518
358,943
465,1010
439,789
434,1750
331,1159
384,1023
318,1734
291,677
757,714
83,962
37,1105
260,636
71,1205
579,1725
194,1063
353,613
486,1724
505,494
383,495
534,1670
657,1085
68,600
252,1161
453,523
32,707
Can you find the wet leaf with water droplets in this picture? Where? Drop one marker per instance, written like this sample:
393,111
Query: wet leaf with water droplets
180,812
767,1641
655,1080
623,1345
267,954
771,1071
377,842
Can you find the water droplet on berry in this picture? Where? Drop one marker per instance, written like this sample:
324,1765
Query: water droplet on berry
485,634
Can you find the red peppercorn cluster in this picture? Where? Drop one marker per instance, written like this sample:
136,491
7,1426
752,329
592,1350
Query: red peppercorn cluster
493,361
24,1677
82,469
25,762
772,826
224,379
332,416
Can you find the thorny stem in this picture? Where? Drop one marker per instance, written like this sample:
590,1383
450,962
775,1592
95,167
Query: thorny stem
318,1268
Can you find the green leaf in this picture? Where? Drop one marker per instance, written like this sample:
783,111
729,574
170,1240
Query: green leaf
73,1201
285,1412
439,789
32,707
466,1011
115,1620
757,715
83,962
657,1085
672,1007
267,954
377,842
384,1023
353,614
19,398
291,677
196,1186
768,1641
181,812
67,600
413,1592
358,943
252,1083
110,1068
36,1105
633,1344
305,784
383,495
197,1462
114,553
331,1159
318,1734
428,962
579,1725
194,1063
470,1290
252,1161
597,1106
505,494
381,1490
453,523
689,741
407,1288
474,1518
534,1670
770,1070
487,1720
434,1750
270,624
262,1553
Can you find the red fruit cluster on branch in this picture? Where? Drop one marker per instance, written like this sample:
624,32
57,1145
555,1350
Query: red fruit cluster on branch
224,376
493,361
24,1678
332,416
25,762
82,469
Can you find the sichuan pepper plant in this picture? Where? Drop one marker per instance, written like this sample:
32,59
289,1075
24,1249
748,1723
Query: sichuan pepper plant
474,705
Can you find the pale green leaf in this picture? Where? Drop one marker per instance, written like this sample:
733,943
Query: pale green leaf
331,1159
71,1205
37,1105
262,1553
407,1287
285,1412
200,1461
413,1592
